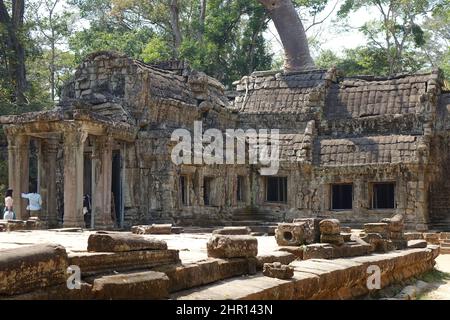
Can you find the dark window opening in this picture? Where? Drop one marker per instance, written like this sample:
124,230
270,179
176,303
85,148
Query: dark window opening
276,189
383,196
240,188
207,191
183,190
341,196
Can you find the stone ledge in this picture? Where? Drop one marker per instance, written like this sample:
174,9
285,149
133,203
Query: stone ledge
99,262
321,279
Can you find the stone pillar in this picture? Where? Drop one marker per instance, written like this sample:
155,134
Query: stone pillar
102,174
18,172
47,181
74,139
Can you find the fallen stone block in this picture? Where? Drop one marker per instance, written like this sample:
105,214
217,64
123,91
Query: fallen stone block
444,236
399,244
395,223
34,224
139,285
379,227
311,229
347,236
413,235
330,226
431,237
346,229
396,235
290,234
98,262
278,270
28,268
152,229
118,242
177,230
417,244
16,225
283,257
378,243
297,251
233,231
351,249
336,239
235,246
318,251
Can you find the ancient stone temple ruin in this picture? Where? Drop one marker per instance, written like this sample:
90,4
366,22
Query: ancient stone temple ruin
355,149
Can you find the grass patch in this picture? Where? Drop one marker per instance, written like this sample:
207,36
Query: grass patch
435,276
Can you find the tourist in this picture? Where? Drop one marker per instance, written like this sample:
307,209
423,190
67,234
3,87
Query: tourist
35,203
87,210
8,213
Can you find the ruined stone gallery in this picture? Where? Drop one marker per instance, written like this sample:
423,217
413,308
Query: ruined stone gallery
361,175
355,149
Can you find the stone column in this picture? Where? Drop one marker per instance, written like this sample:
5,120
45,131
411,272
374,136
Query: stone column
18,172
74,139
102,173
47,181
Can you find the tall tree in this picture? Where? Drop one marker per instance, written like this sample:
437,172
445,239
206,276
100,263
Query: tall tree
292,34
397,30
175,24
53,28
13,49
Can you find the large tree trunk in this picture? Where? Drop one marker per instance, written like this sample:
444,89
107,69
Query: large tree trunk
202,18
292,34
14,48
175,24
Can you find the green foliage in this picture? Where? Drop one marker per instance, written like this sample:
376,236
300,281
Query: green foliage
131,42
228,45
366,61
156,49
398,30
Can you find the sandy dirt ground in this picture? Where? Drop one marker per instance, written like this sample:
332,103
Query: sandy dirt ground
192,246
442,291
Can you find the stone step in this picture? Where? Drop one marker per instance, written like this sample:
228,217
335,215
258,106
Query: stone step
316,278
137,285
445,244
444,251
100,262
191,275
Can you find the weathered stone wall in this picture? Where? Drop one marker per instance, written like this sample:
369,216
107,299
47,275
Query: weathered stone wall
350,130
366,130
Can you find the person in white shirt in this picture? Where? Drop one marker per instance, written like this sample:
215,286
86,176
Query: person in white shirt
35,203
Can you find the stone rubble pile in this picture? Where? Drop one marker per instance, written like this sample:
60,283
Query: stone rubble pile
156,229
33,223
278,270
232,246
